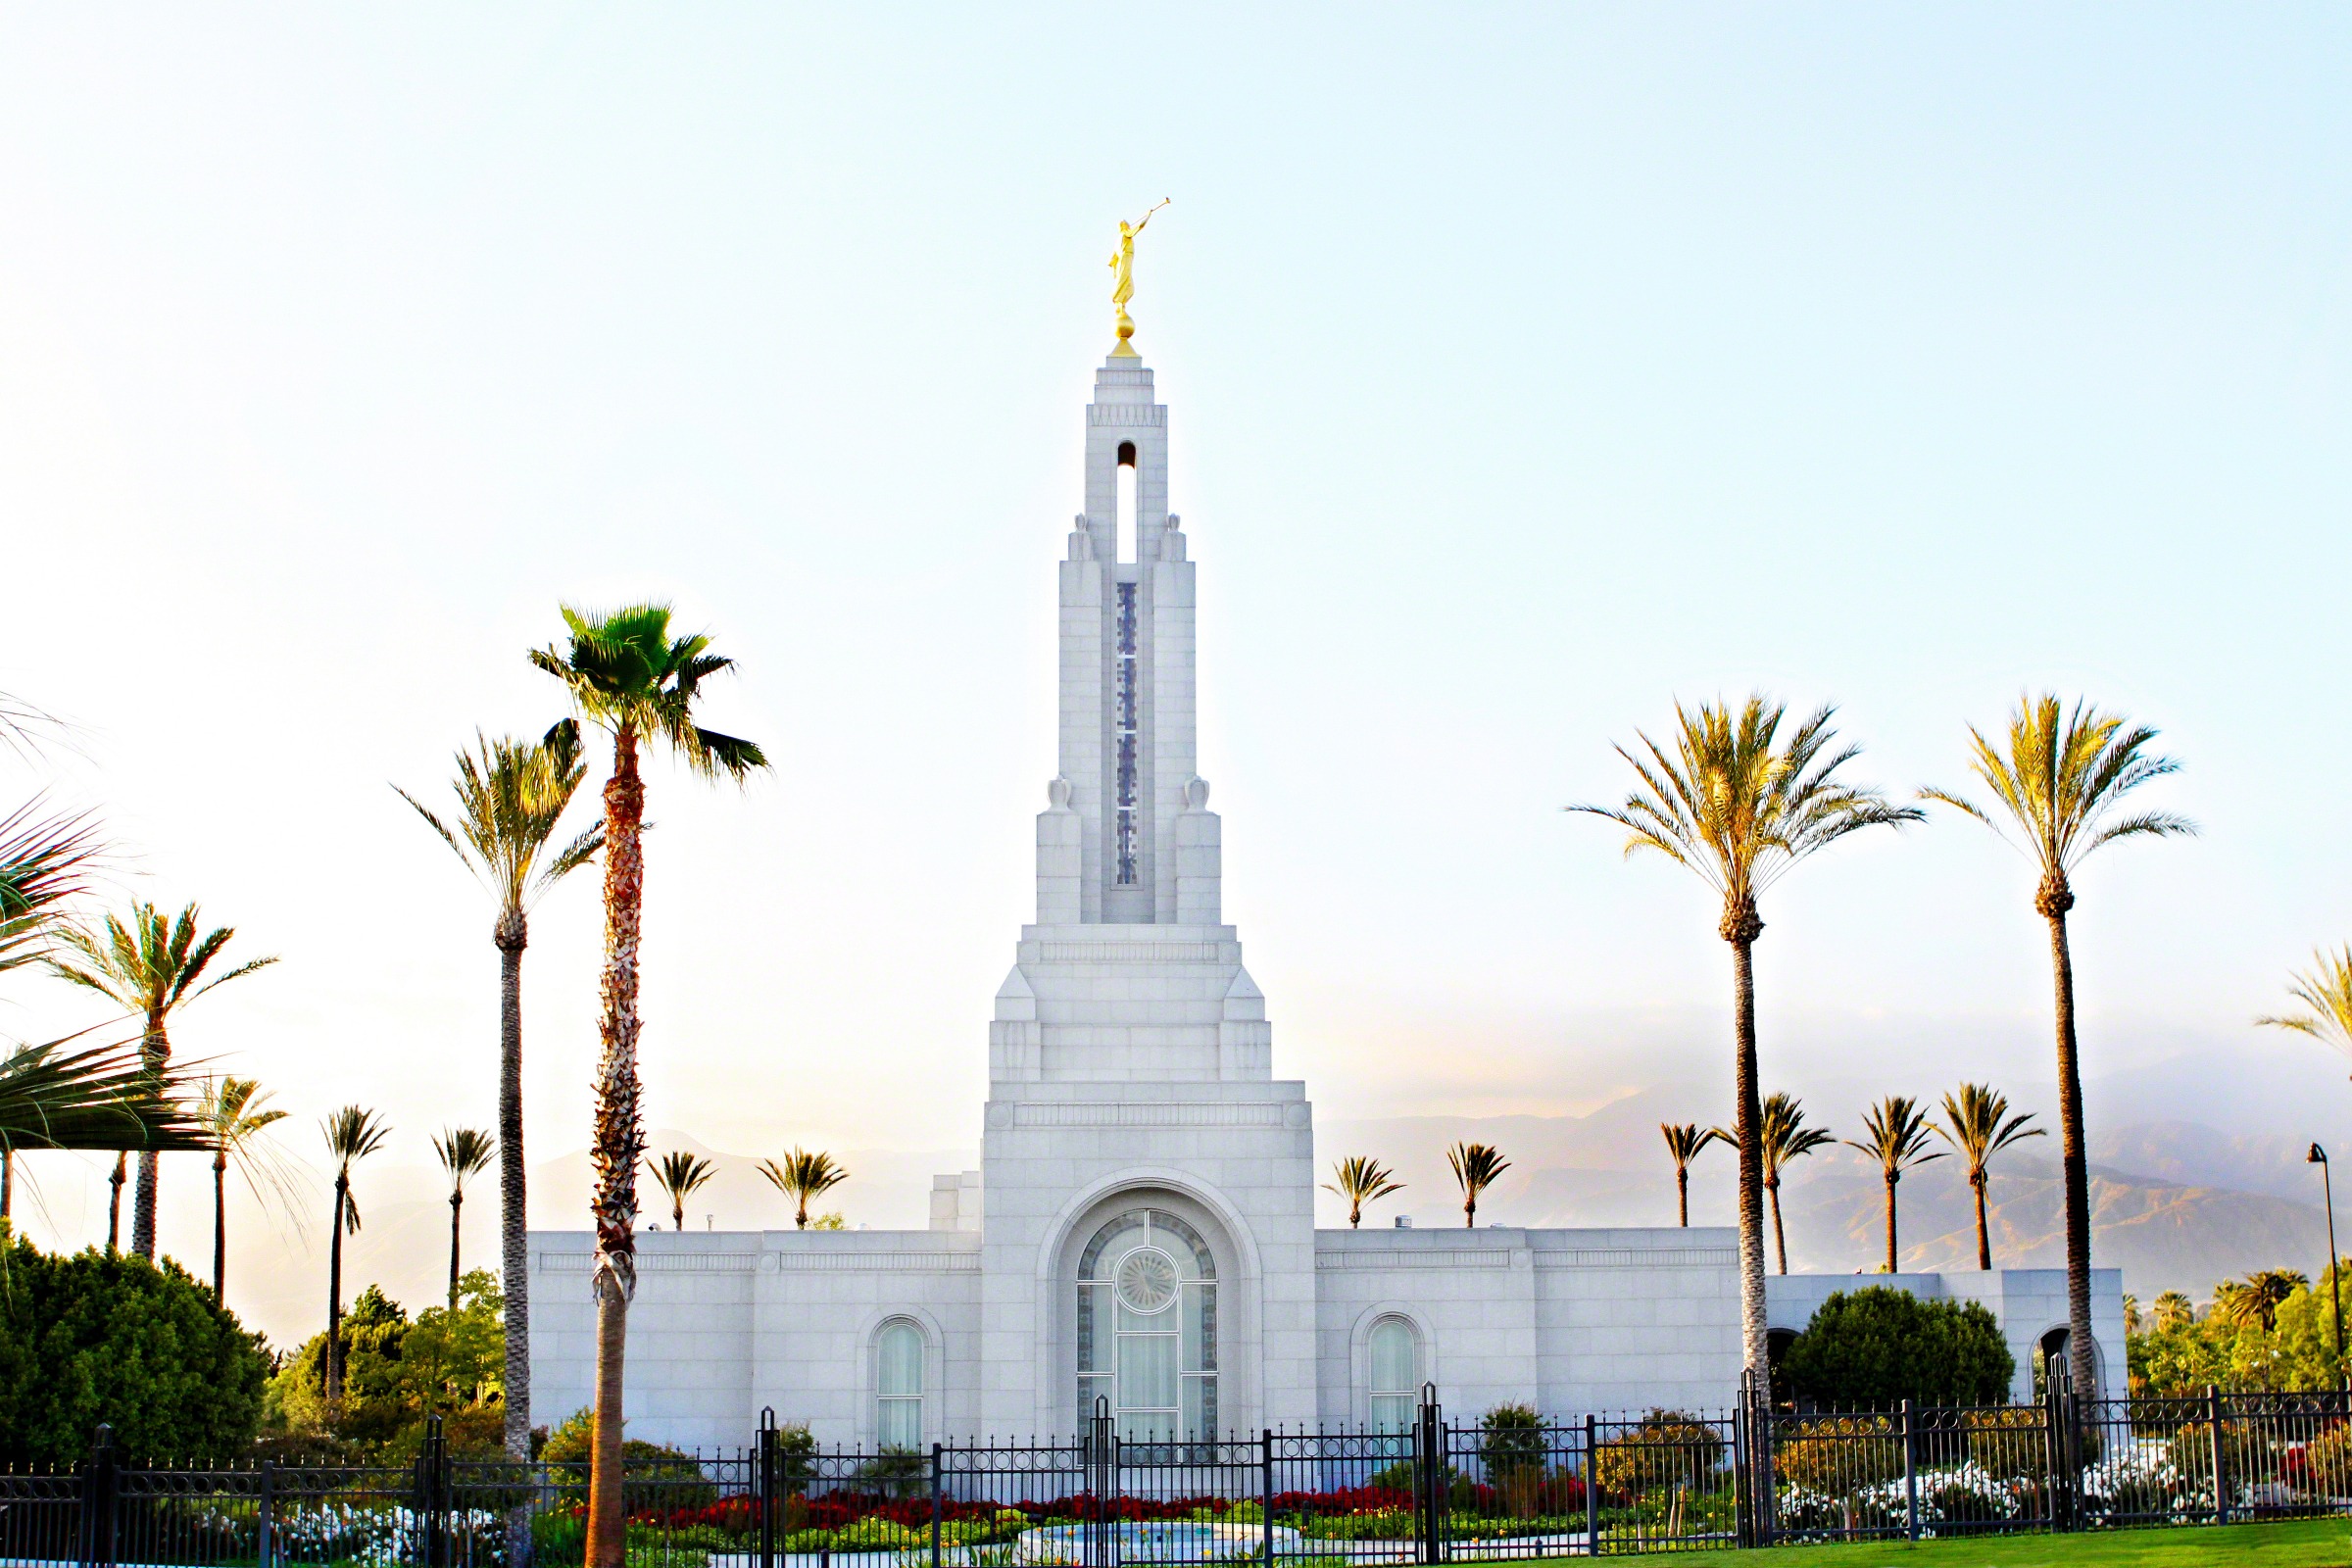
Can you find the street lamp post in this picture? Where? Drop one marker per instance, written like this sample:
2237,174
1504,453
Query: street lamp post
2319,1156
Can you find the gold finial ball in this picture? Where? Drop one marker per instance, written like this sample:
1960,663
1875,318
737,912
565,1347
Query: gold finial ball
1126,330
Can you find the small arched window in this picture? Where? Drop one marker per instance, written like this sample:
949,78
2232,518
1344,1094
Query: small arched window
898,1386
1396,1355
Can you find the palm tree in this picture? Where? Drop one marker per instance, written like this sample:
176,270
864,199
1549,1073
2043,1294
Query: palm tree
1360,1181
352,1134
463,1151
804,1174
2256,1303
2173,1309
233,1110
1682,1146
1785,1137
680,1174
1973,1125
1475,1168
114,1201
150,967
2326,992
627,675
2059,785
1739,808
510,796
1898,1139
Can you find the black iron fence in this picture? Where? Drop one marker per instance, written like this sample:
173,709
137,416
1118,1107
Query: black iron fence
1506,1485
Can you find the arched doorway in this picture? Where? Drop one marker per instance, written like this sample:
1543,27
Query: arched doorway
1147,1327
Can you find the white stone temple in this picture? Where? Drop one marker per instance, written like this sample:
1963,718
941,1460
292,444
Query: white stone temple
1142,1227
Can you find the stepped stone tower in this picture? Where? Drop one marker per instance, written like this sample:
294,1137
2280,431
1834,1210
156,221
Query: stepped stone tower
1130,1059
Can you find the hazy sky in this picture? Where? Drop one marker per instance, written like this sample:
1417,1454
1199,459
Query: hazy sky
1527,369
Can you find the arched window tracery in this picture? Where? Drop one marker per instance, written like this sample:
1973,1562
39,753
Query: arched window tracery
1147,1327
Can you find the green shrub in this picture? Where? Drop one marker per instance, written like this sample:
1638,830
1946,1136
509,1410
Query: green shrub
1668,1448
1872,1348
91,1338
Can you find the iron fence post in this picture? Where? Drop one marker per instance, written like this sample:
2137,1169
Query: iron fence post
1265,1490
2053,1447
1910,1473
936,1462
2220,1474
1429,1479
1759,1435
764,1485
1592,1486
98,1501
1744,1482
266,1502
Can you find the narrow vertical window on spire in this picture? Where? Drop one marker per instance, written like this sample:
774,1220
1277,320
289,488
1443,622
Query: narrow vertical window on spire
1126,736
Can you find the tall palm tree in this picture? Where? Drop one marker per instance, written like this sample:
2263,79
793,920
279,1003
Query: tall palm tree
233,1112
1475,1168
464,1153
1785,1137
1682,1146
804,1174
151,966
1974,1125
627,675
2059,784
511,795
1360,1180
680,1174
1898,1131
352,1134
1738,807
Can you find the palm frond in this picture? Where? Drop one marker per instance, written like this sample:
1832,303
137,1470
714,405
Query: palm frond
1361,1179
625,672
58,1095
2325,990
1685,1142
44,860
464,1153
1898,1134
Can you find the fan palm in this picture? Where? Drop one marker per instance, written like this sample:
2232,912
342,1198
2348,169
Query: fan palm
151,967
679,1174
803,1175
1977,1122
1898,1129
464,1153
2059,783
627,675
233,1110
1682,1146
1738,807
352,1135
1475,1168
1785,1137
510,796
1360,1180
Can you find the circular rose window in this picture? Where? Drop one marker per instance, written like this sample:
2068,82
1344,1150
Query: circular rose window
1147,1281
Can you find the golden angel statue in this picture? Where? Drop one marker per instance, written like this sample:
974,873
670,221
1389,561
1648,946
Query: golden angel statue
1123,270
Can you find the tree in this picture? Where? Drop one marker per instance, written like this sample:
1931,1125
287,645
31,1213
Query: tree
680,1175
90,1098
151,967
2173,1308
1973,1123
93,1338
2326,992
2059,784
2255,1304
1360,1180
1739,808
1682,1146
1785,1137
352,1134
1475,1168
463,1151
1897,1139
629,677
233,1112
1872,1348
804,1174
510,796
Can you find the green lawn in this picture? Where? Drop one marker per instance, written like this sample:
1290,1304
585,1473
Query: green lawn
2296,1543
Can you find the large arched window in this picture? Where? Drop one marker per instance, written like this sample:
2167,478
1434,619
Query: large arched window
1147,1328
1395,1352
898,1386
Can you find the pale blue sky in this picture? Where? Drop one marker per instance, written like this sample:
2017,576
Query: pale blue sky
1527,368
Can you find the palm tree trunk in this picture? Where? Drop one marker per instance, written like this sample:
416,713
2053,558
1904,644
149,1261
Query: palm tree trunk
156,1048
220,1227
513,936
1356,1213
1890,1248
620,1143
2081,1362
114,1205
677,1213
8,1184
1780,1238
1750,1128
457,1207
1682,1194
334,1295
1470,1213
1983,1239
